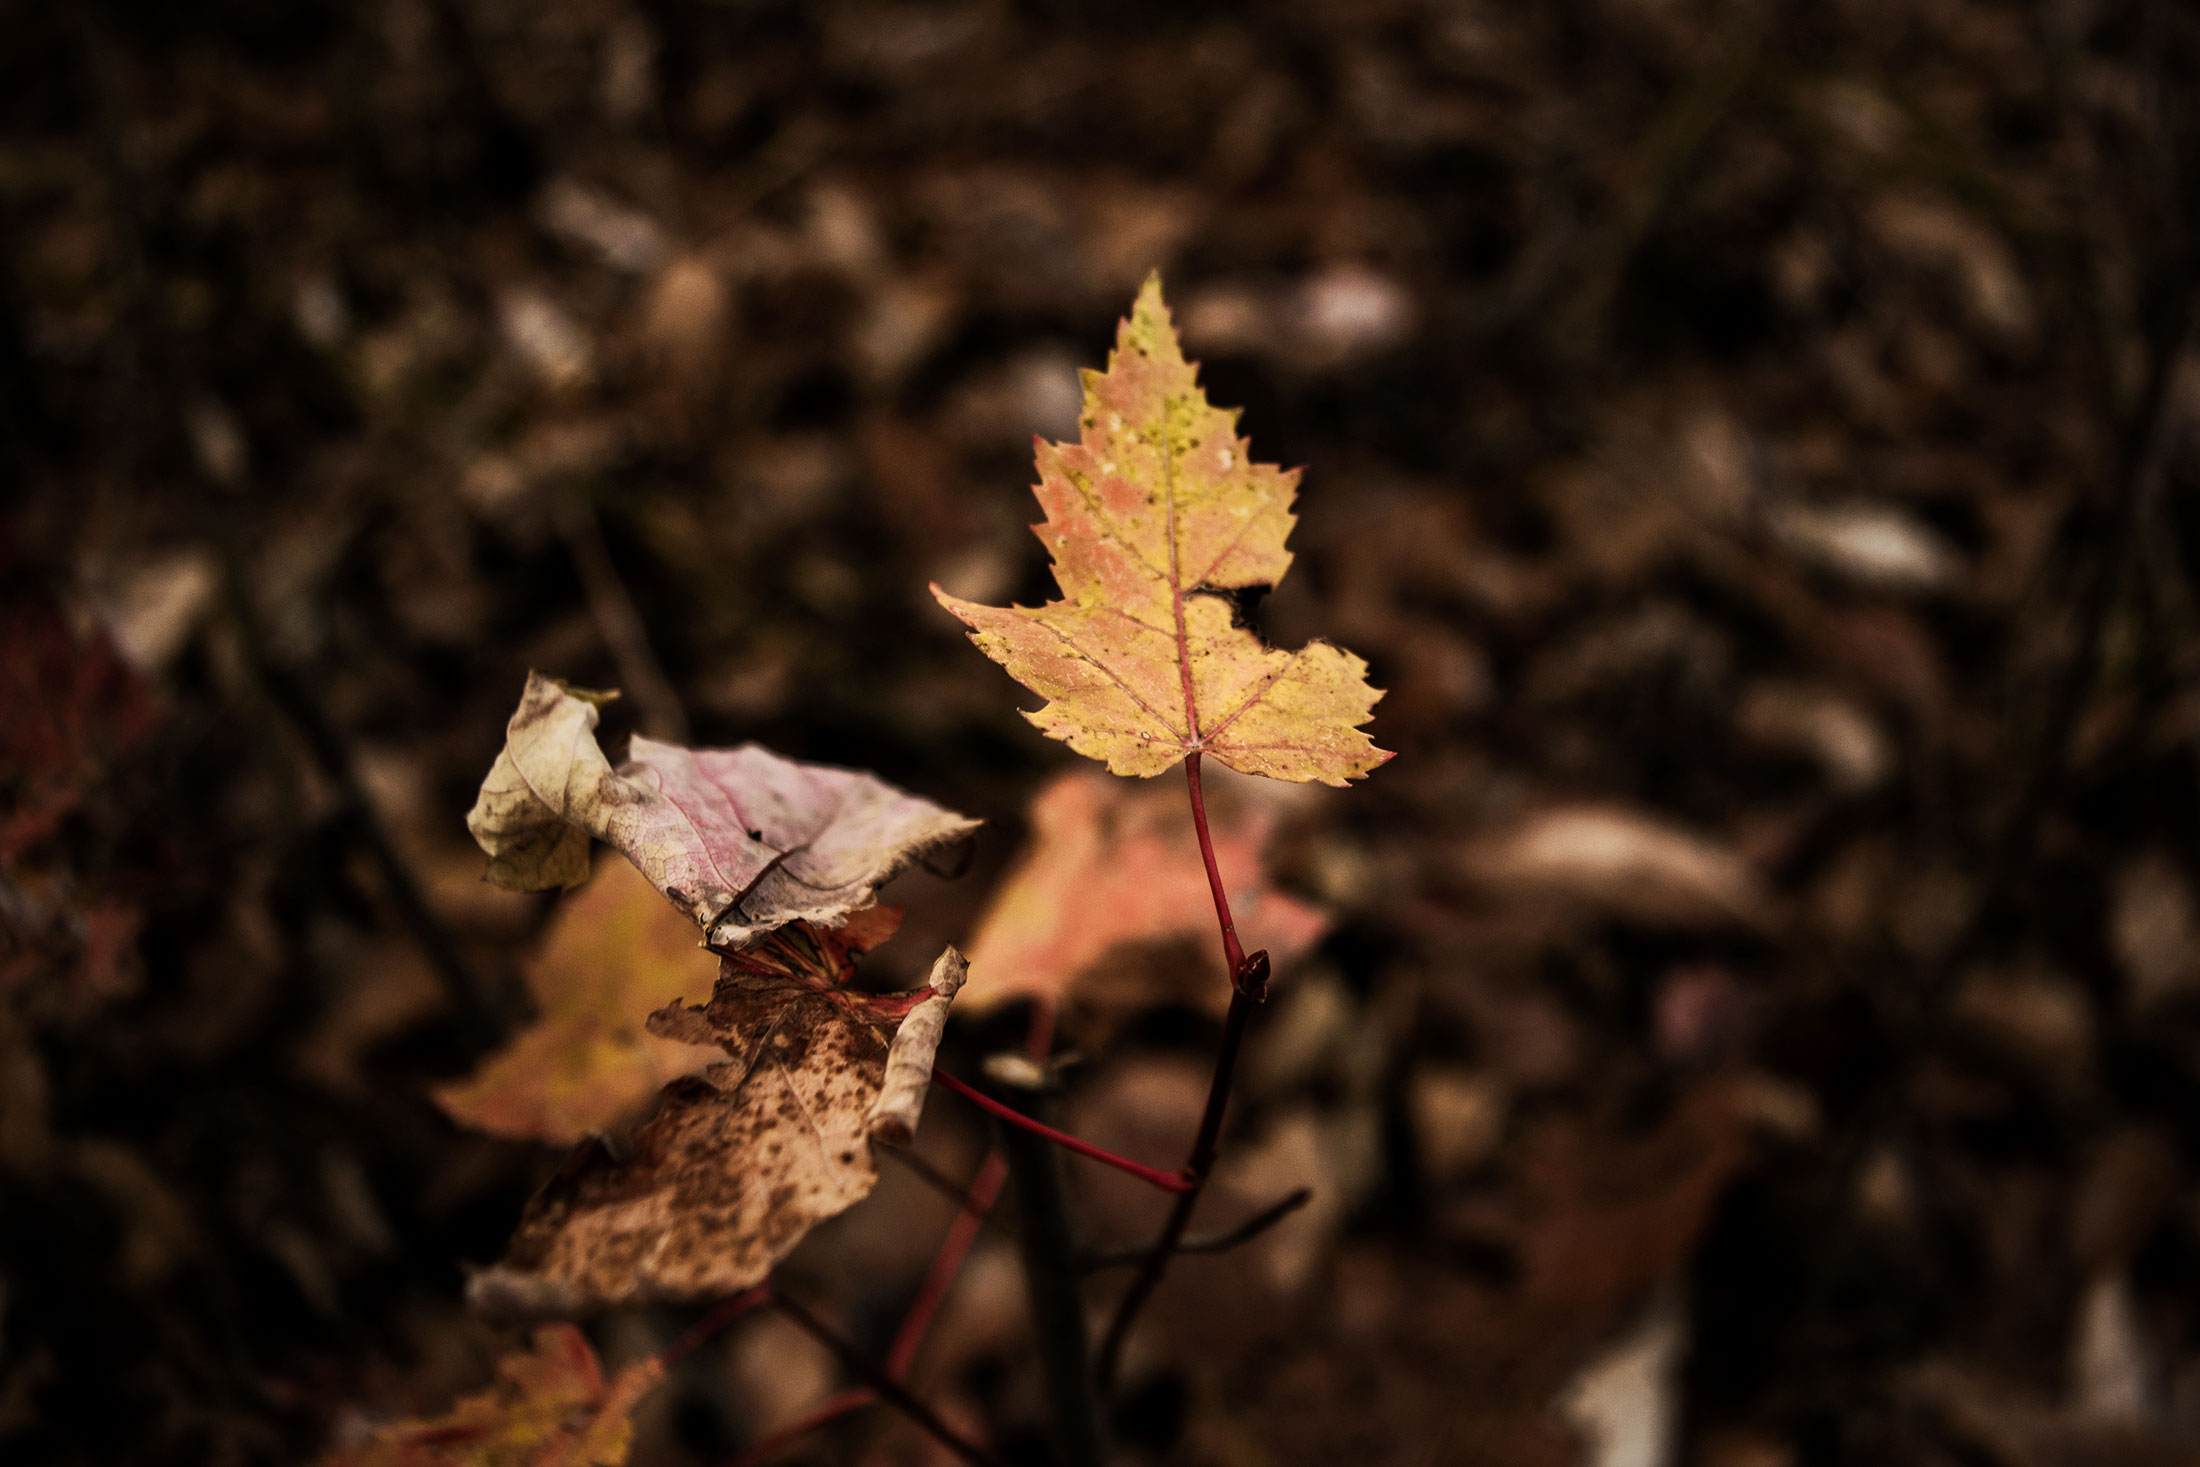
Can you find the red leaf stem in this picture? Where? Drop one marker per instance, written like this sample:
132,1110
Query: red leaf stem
1204,1146
1233,955
1166,1181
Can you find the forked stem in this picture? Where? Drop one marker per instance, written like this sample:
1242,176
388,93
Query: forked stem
714,1324
772,1443
1243,997
884,1386
985,1189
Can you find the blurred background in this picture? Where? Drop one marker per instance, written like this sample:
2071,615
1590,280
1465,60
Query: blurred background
1755,1021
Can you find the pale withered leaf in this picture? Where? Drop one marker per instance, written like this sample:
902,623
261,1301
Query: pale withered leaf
741,840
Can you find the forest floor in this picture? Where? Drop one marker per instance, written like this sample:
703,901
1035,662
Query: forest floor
1758,1017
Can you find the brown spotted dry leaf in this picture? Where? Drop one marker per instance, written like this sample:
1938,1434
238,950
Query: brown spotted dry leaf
550,1405
741,840
737,1165
1154,517
1112,866
614,954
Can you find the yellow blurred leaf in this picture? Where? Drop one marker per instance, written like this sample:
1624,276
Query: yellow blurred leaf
615,953
550,1405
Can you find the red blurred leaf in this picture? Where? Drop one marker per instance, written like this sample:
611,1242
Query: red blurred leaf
1110,865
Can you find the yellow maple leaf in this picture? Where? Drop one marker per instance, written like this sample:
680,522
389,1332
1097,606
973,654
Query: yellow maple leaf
550,1405
1154,515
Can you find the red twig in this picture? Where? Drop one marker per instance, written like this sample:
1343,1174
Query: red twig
713,1324
772,1443
1233,956
985,1188
962,1235
1166,1181
887,1389
1243,995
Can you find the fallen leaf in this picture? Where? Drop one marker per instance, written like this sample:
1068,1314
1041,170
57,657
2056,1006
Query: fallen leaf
614,954
1109,865
1458,1120
741,840
76,706
1876,546
1153,518
1819,725
738,1165
550,1405
2154,929
1626,1403
1622,862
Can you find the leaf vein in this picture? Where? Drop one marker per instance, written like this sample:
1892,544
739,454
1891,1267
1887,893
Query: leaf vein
1114,677
1258,693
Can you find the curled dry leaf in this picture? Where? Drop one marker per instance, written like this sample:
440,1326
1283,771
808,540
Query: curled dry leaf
738,1165
741,840
1110,865
1154,517
614,954
894,1115
549,1405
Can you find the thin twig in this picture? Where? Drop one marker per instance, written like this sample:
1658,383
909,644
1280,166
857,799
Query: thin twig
968,1200
2146,452
1206,1143
714,1324
1180,1217
825,1413
889,1390
1058,1326
1166,1181
985,1190
1237,1237
617,619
